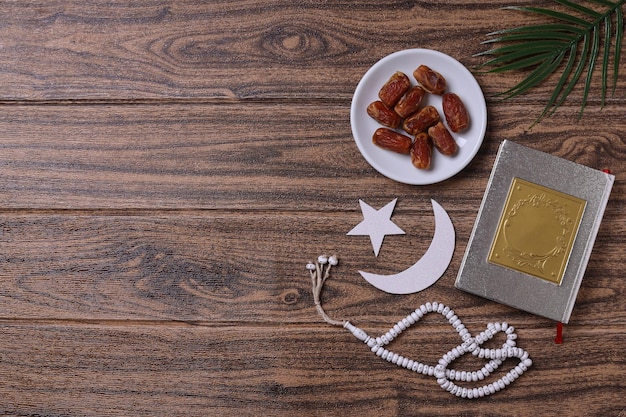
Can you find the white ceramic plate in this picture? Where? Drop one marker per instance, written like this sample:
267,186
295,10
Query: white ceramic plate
459,80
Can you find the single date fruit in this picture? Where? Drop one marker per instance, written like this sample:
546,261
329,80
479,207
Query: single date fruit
383,114
392,140
421,151
442,139
394,88
432,81
421,120
455,112
410,102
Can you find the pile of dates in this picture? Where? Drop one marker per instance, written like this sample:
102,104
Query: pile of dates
400,107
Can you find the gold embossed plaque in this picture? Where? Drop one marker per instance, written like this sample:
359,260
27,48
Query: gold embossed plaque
536,231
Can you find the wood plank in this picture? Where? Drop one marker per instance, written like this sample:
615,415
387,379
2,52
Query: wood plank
250,267
184,370
168,168
297,156
74,50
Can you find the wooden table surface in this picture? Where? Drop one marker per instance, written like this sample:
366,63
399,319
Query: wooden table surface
168,168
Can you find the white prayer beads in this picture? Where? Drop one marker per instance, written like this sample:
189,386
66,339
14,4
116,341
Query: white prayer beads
495,357
445,376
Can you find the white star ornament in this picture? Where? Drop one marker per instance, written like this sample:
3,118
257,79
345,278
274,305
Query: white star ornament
377,224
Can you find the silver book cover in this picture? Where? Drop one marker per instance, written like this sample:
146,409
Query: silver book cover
534,232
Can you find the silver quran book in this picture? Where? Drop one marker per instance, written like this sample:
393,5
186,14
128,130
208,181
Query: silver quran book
534,232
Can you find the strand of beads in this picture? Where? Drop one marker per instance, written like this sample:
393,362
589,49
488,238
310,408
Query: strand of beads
320,272
509,350
470,344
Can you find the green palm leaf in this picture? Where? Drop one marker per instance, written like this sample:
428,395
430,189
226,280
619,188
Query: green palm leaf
573,43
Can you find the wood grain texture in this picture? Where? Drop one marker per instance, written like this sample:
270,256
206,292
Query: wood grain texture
301,155
190,49
194,267
150,370
157,49
167,168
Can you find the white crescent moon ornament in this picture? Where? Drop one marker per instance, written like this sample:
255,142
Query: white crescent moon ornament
429,268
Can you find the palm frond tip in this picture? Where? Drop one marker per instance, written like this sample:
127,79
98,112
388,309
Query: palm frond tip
573,43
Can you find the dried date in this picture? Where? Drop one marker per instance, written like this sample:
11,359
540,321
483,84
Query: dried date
394,89
421,151
392,140
383,114
432,81
421,120
442,139
410,102
455,112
